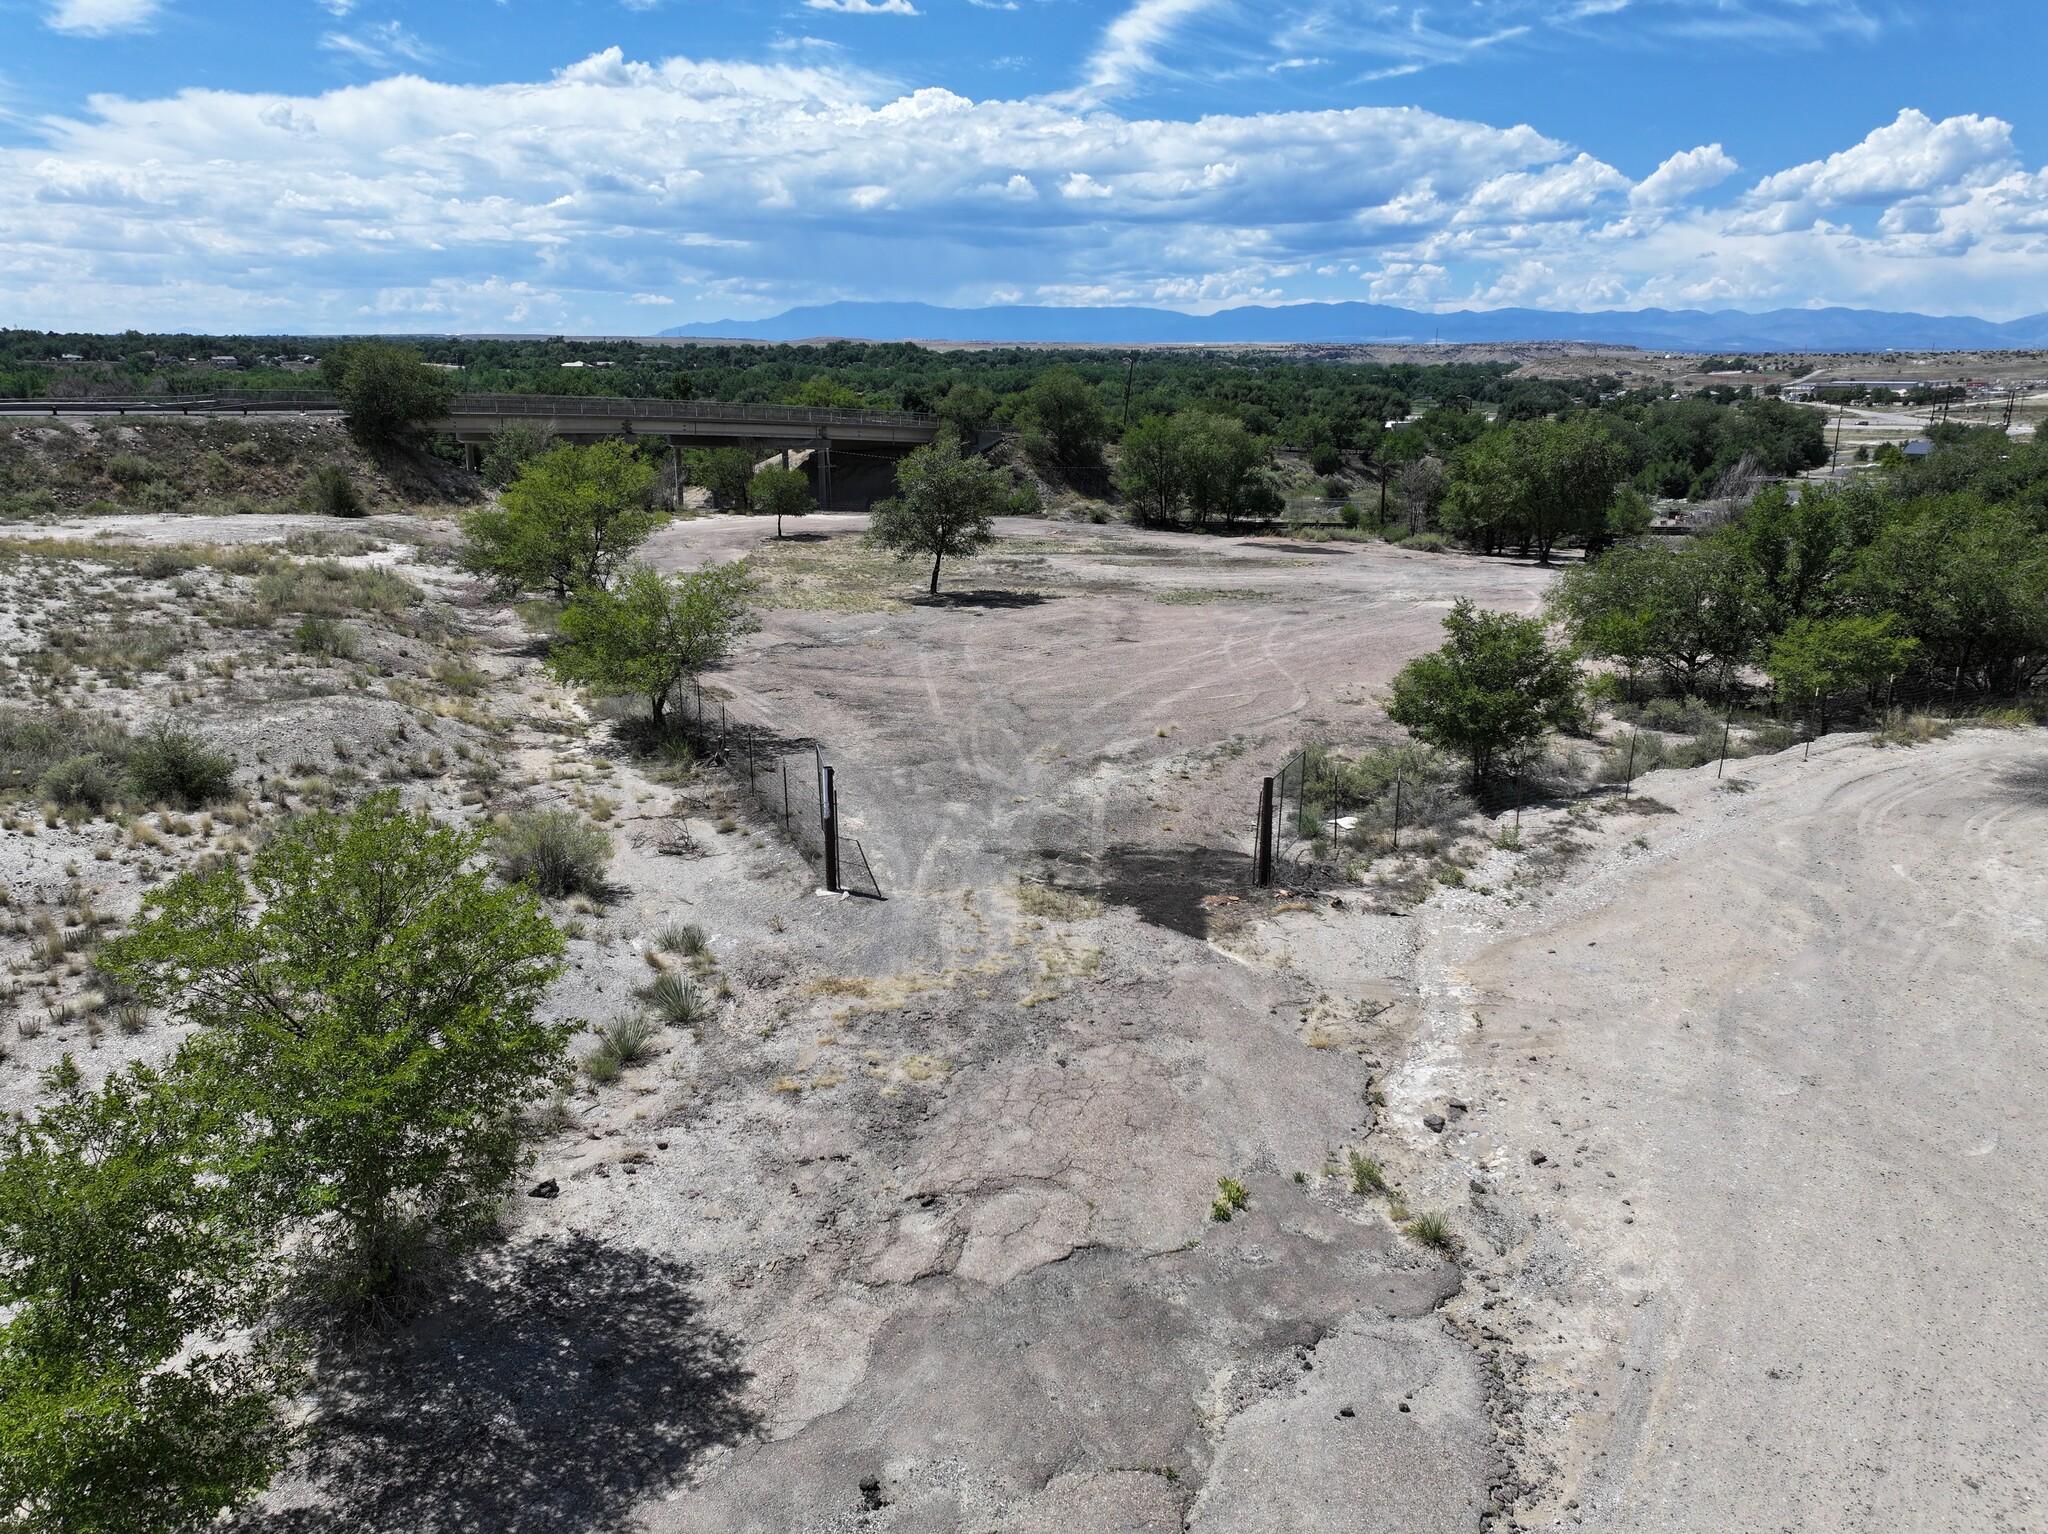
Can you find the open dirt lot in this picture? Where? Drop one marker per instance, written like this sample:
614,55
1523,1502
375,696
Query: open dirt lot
915,1231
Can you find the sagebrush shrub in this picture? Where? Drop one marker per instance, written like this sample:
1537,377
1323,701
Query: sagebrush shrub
331,493
175,767
558,852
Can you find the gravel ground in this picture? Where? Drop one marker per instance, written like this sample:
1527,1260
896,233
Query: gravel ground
914,1230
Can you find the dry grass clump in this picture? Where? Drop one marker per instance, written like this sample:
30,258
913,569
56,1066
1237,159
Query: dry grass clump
327,589
1900,728
1052,903
622,1042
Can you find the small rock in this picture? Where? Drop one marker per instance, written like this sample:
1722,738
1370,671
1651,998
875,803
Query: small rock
1336,902
1434,1122
548,1189
1458,1105
1537,1158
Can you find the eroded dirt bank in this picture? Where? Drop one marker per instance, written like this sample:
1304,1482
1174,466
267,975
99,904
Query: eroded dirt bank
1751,1159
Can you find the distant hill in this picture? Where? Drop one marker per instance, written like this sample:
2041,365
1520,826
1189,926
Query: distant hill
1690,330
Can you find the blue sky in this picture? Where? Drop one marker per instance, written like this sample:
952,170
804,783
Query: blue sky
595,165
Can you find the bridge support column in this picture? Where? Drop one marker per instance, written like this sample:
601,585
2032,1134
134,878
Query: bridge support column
824,472
472,456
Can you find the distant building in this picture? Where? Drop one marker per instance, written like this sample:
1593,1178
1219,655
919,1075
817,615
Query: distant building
1919,448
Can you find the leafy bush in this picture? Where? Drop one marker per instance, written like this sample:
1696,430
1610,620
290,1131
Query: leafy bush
323,636
556,851
130,469
173,766
160,495
331,492
32,743
84,781
364,1036
1427,543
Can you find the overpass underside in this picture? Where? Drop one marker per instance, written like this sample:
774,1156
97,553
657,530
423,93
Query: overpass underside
849,454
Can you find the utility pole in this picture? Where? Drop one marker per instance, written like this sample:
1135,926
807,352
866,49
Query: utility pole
1130,368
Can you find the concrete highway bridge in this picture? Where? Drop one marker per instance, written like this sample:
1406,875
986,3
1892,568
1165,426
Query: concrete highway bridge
867,442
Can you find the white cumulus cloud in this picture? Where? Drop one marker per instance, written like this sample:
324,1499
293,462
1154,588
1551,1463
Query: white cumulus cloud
100,18
736,188
1683,176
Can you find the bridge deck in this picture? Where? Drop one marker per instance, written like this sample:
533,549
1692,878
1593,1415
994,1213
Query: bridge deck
475,417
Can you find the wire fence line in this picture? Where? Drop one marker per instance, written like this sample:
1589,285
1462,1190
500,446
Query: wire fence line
1318,806
791,784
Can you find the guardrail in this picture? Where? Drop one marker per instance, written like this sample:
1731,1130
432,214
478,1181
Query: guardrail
175,404
602,407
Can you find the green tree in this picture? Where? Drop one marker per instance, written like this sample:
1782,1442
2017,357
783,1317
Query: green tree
1492,692
967,407
366,1005
569,520
1534,482
945,506
780,493
1149,471
727,472
1062,419
1205,463
824,392
1220,460
1685,615
127,1264
512,449
1970,582
1816,657
387,393
655,632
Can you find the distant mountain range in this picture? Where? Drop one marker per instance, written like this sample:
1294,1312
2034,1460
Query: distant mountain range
1688,330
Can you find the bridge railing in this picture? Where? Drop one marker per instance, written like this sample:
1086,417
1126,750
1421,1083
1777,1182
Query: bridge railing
600,407
617,407
176,404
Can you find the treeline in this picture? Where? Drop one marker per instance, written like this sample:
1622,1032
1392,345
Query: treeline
1929,576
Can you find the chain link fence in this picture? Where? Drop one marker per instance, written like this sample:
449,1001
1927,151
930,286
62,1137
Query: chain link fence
1322,804
791,784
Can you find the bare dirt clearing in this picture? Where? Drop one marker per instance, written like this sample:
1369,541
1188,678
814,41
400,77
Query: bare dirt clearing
1094,701
914,1230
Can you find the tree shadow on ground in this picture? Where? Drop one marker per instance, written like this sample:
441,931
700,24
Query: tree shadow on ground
555,1386
1165,886
1000,599
2027,781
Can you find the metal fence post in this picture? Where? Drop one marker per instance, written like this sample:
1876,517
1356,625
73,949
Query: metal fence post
785,796
830,793
1262,860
